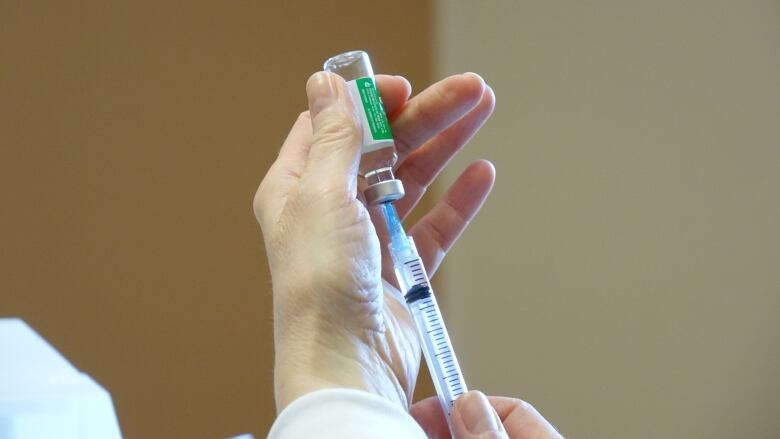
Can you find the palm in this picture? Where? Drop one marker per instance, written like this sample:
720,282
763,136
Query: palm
401,339
399,347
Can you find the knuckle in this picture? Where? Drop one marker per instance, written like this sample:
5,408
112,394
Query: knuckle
337,131
523,405
260,201
436,235
427,111
257,202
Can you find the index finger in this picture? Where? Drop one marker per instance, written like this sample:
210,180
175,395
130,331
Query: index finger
434,110
395,92
521,419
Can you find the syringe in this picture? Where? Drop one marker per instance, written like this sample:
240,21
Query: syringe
415,285
376,165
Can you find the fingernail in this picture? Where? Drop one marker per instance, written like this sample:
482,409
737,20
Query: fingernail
320,92
477,413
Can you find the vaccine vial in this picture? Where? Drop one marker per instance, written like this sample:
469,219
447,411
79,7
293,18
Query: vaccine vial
377,149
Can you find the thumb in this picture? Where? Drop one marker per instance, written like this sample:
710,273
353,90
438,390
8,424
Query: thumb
473,417
335,151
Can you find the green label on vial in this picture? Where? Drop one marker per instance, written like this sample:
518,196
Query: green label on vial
375,112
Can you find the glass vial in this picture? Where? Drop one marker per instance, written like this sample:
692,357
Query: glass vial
377,149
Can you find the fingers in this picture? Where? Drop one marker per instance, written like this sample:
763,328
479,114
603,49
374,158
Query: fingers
335,150
521,419
430,417
285,172
423,165
473,417
438,230
471,413
330,155
395,91
435,109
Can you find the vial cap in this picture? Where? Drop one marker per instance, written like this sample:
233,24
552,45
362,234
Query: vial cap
384,191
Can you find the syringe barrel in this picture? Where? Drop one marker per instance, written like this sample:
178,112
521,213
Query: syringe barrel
437,350
377,147
408,266
436,345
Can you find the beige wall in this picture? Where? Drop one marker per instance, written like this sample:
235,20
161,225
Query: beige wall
132,138
625,275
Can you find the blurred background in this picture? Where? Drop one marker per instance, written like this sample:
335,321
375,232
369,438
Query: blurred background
623,278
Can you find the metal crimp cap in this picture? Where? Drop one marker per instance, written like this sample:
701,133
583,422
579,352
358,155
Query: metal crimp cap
384,191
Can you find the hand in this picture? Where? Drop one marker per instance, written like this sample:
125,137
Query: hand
476,416
337,322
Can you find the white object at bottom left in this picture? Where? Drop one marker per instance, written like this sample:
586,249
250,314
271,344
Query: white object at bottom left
43,396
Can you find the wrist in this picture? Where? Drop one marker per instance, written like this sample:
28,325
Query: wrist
318,355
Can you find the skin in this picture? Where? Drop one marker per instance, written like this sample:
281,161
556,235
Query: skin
339,320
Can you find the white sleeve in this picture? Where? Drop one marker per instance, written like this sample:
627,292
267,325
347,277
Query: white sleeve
344,413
